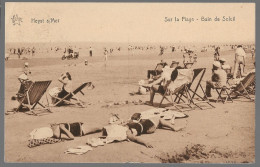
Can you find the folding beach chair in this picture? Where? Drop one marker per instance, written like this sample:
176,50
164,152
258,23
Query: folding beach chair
241,87
179,88
72,95
33,95
226,90
193,92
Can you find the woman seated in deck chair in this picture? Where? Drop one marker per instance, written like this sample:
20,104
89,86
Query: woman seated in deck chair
60,93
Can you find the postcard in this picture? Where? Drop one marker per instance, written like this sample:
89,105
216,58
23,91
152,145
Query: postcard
92,82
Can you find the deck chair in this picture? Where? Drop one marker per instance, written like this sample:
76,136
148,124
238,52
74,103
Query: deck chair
32,97
241,87
179,87
72,96
193,92
226,90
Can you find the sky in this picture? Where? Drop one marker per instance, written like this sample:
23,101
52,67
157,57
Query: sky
129,22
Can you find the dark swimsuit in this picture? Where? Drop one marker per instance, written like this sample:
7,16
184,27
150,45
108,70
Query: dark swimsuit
63,93
145,126
74,128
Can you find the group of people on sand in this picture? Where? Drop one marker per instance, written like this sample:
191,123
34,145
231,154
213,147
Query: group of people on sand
220,71
136,125
20,51
26,81
120,131
130,129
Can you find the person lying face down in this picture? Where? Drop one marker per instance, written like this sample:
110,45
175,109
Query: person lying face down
131,130
134,128
147,126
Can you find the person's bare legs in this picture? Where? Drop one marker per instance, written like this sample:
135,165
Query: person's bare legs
167,124
88,131
243,74
235,70
153,90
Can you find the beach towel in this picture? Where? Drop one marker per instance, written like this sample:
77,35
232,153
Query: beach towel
79,150
152,113
159,113
94,142
170,114
38,142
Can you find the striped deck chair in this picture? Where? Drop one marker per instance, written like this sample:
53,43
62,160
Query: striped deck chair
240,88
32,97
193,91
72,96
180,89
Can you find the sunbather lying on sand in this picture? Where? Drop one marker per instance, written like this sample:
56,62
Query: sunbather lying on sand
147,126
134,128
131,130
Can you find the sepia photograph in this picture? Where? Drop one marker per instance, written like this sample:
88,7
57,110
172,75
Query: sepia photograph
96,82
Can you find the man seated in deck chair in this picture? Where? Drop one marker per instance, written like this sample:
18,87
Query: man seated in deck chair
25,85
160,85
155,74
66,80
218,79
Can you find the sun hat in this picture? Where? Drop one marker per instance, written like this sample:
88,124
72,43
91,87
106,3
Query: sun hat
23,77
217,64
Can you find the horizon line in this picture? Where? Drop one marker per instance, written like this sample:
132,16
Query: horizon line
175,42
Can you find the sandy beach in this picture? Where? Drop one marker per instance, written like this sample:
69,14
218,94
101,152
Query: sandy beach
224,134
